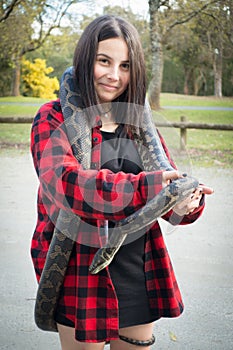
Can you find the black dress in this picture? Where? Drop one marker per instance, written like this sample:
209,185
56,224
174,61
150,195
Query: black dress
118,153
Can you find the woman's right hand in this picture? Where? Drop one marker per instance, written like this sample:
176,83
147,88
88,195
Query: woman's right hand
170,175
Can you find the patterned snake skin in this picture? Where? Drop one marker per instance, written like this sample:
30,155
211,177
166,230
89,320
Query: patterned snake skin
153,158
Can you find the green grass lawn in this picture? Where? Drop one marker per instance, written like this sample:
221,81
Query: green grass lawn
167,99
204,147
20,106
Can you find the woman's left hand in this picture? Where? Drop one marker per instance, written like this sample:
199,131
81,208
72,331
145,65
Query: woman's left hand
192,202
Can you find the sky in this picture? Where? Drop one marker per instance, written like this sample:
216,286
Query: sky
138,6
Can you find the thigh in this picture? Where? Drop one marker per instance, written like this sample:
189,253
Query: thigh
68,341
141,332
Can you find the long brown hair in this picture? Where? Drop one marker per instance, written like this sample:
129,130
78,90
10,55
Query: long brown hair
103,28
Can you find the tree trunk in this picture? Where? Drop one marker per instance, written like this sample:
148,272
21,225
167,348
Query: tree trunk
187,74
16,77
186,87
217,53
217,84
217,67
157,56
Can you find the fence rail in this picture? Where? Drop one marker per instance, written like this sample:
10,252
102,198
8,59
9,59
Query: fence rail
183,125
16,120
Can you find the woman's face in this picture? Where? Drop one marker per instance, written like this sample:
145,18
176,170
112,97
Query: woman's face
111,69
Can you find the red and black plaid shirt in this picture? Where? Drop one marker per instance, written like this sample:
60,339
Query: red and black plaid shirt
96,195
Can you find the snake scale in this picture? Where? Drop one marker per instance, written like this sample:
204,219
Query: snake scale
153,158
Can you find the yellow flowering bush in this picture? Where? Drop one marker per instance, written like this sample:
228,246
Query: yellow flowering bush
36,83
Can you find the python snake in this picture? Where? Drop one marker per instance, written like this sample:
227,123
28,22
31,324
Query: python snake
153,158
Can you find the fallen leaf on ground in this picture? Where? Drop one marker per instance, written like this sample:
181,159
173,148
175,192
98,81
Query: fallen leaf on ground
172,336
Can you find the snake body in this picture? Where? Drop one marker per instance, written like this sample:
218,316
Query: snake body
155,208
153,158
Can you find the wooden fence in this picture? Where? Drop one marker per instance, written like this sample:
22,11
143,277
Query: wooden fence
183,125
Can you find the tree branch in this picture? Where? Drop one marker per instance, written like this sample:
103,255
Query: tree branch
43,35
9,9
190,15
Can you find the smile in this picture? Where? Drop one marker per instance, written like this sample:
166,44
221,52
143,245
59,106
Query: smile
108,87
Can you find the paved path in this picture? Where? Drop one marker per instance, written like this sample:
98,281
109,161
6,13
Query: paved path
201,255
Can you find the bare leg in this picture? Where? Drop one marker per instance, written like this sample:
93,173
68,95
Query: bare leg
68,342
141,332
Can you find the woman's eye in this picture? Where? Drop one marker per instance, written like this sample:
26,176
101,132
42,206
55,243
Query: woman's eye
125,66
103,61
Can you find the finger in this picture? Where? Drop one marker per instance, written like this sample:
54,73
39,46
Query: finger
206,189
171,175
196,193
189,212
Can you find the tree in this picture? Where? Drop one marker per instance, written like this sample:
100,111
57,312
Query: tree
58,50
36,80
164,16
42,17
218,23
187,49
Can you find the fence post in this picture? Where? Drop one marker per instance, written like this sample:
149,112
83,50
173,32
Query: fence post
183,134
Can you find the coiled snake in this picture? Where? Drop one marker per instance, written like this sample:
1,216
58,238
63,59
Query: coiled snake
153,158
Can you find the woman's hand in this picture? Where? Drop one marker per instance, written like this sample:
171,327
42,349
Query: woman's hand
170,175
188,205
192,202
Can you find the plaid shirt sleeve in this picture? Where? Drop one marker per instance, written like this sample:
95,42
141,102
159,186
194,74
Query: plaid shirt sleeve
91,193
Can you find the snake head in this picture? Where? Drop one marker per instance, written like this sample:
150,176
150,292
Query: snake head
174,188
182,185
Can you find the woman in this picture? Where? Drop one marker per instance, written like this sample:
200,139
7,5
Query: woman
121,303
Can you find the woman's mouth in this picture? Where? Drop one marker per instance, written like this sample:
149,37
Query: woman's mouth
109,87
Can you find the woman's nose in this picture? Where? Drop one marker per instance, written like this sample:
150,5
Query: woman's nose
113,73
